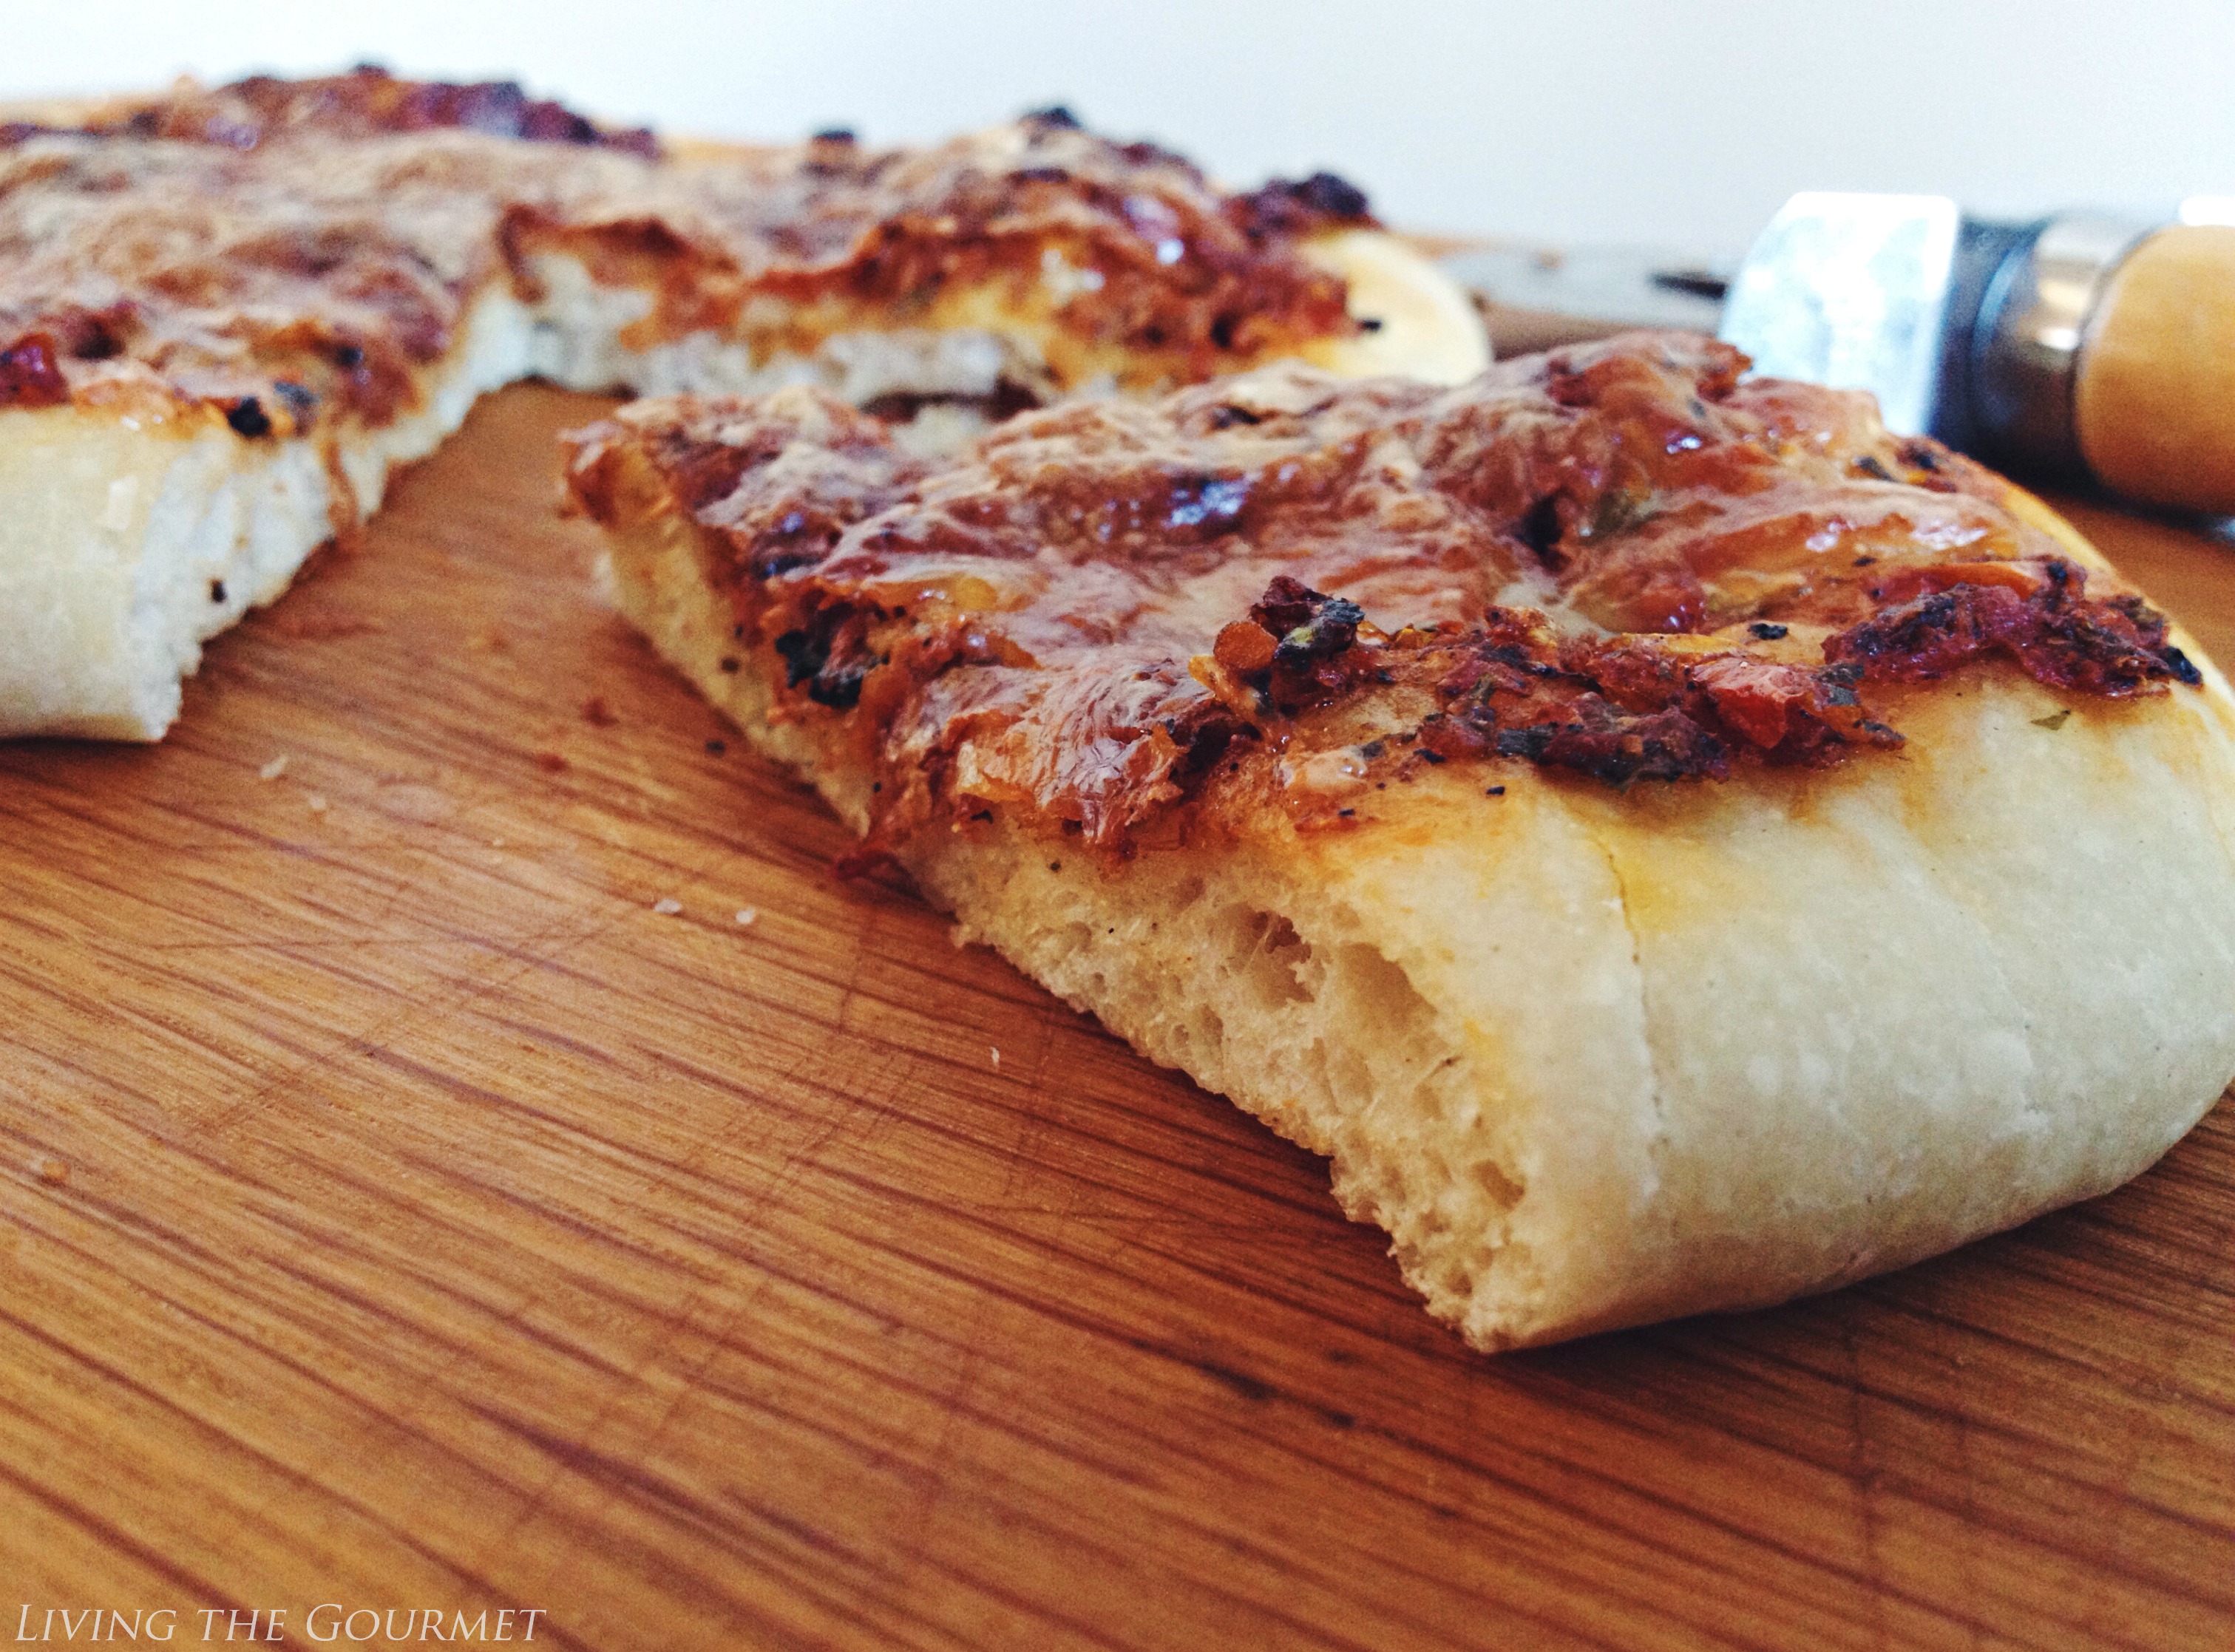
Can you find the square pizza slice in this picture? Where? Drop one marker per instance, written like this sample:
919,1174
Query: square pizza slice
1669,842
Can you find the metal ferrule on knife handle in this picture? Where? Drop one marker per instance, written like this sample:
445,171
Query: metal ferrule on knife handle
2034,301
2020,297
2098,346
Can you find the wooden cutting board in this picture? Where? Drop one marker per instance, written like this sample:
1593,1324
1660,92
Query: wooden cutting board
401,1211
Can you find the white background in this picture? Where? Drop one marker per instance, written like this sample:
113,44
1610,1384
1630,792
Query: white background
1566,121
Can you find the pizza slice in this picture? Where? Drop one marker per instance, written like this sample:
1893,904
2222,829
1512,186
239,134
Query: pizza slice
1669,842
226,316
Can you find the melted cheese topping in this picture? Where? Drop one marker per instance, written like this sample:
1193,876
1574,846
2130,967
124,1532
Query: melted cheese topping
280,253
1619,561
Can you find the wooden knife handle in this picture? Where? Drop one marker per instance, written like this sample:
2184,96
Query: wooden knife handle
2154,406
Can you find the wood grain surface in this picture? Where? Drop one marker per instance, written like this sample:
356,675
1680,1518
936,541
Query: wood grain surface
400,1212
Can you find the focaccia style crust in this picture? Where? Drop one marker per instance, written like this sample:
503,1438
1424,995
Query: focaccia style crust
1672,844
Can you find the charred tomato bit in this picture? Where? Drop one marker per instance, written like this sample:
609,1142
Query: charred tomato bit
30,376
88,334
1201,739
2057,635
1625,710
1616,747
1310,625
829,655
1283,207
247,418
1311,634
1540,529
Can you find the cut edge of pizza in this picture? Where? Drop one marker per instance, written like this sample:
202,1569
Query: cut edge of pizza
170,461
1608,1016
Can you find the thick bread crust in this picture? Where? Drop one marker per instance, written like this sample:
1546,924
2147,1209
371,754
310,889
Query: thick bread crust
1423,326
132,538
1901,1005
1598,1058
1594,1065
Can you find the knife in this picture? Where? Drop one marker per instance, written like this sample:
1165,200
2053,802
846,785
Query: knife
2078,346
